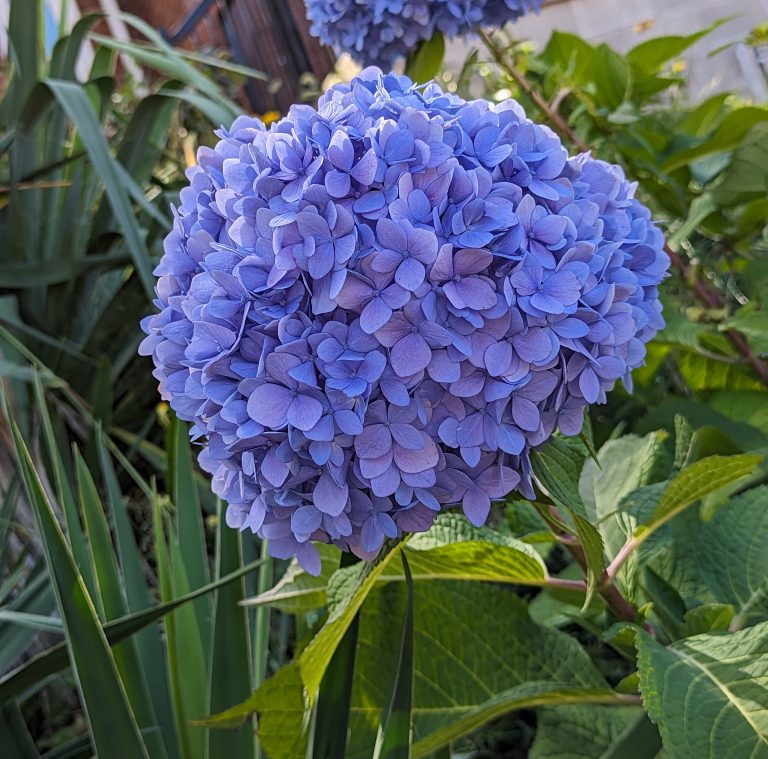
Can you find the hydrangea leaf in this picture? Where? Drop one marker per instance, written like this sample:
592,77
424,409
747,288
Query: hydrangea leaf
740,576
516,562
707,618
708,693
477,655
626,464
315,657
696,481
282,710
582,732
298,591
558,466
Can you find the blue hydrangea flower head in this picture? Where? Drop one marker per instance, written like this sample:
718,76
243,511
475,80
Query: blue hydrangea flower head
374,310
381,31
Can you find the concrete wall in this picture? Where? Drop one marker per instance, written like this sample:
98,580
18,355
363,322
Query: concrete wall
625,23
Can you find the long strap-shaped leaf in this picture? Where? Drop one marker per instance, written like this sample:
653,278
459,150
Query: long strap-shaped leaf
394,738
113,727
74,102
55,658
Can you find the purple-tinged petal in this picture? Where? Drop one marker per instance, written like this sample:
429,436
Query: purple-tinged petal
410,355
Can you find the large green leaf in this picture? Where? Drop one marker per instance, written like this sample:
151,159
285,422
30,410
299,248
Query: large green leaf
283,702
113,727
708,694
746,177
558,466
737,535
477,655
511,561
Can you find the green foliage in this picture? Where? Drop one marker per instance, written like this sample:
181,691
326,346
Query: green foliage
427,59
708,693
700,167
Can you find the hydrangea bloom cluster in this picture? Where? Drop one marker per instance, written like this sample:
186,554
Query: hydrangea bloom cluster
381,31
374,310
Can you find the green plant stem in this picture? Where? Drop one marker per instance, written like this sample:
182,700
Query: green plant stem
620,606
560,124
612,570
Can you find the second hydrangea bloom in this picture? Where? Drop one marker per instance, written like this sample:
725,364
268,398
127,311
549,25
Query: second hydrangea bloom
381,31
373,310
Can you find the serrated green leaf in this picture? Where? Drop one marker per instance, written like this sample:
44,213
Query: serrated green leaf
640,740
558,466
668,606
708,694
707,618
514,562
315,657
282,710
752,321
745,178
594,553
699,479
727,135
626,465
580,732
705,373
477,656
740,575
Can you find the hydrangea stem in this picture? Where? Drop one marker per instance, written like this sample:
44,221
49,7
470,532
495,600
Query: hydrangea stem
619,605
